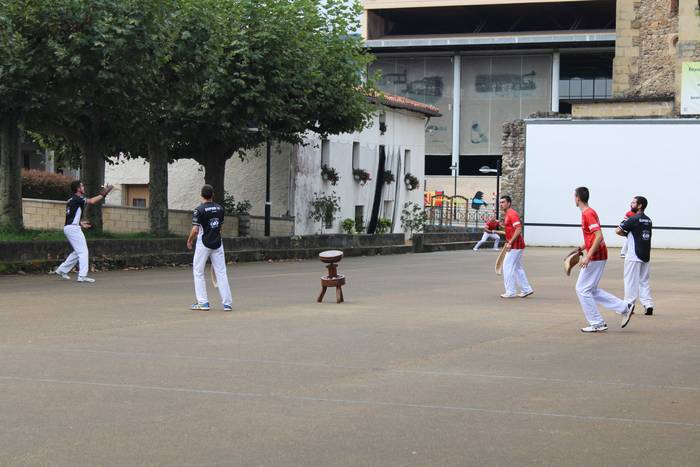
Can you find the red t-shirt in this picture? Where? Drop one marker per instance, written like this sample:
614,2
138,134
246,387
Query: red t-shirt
512,222
492,225
590,223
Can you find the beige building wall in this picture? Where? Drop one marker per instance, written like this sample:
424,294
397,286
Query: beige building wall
45,214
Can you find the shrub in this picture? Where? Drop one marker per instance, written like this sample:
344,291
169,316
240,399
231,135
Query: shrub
45,185
323,209
413,217
233,208
348,226
383,226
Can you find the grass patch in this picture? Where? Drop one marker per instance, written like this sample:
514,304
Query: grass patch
30,235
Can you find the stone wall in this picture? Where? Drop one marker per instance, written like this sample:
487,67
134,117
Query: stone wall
513,163
645,48
45,214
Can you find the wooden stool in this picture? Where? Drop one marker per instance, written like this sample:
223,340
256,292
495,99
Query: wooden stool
332,279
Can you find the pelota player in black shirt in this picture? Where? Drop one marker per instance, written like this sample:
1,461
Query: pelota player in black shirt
73,231
637,229
207,220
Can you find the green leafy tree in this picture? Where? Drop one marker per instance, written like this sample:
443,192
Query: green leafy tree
92,58
285,68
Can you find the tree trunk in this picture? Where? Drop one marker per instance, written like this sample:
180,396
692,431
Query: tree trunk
158,187
215,171
92,174
10,175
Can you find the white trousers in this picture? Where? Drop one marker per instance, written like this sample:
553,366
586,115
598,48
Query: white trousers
623,251
637,283
79,255
218,263
590,296
514,274
488,236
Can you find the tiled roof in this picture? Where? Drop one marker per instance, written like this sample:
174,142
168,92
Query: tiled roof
399,102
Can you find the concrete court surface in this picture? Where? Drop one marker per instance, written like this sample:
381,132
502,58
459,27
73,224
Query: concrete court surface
424,365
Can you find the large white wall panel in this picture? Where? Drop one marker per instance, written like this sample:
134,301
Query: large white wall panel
616,160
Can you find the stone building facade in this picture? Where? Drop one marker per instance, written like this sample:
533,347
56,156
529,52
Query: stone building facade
653,39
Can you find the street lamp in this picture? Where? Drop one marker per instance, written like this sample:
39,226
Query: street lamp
455,169
488,170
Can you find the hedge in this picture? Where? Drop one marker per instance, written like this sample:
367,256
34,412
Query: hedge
45,185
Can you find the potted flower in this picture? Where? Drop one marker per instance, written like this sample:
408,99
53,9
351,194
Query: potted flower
329,174
240,209
411,181
389,177
323,209
361,176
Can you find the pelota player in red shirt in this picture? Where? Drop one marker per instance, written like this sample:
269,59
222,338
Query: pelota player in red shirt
592,267
513,272
490,230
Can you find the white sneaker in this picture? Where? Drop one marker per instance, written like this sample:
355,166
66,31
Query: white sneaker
525,294
86,279
627,315
595,328
60,274
505,295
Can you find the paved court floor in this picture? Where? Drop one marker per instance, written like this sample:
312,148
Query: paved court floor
424,365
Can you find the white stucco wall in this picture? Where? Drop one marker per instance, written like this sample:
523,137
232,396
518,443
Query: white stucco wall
405,130
296,174
184,181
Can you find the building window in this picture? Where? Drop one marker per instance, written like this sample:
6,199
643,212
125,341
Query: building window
424,79
407,161
438,165
355,155
136,196
388,212
359,218
325,152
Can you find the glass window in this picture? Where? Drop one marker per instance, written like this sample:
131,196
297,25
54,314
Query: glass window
325,152
424,79
497,89
355,155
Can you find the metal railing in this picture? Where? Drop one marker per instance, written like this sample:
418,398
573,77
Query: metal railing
457,211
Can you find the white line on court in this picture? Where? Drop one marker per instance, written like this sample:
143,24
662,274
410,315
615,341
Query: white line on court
349,367
248,395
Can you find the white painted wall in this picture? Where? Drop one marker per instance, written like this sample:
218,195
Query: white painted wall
296,173
616,160
185,179
405,130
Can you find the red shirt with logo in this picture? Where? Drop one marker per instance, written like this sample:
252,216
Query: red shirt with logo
512,222
492,225
590,224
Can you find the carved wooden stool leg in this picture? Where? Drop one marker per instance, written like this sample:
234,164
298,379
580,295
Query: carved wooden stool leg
338,294
323,292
